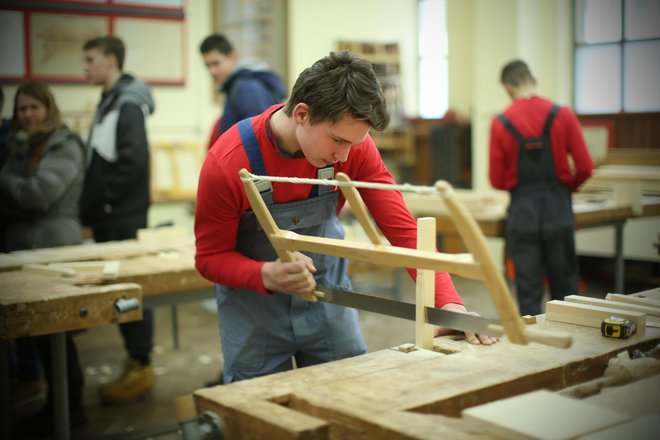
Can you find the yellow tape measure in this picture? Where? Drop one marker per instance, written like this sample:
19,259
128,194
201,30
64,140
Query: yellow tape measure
615,327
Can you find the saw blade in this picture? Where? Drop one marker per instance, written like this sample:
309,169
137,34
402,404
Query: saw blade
404,310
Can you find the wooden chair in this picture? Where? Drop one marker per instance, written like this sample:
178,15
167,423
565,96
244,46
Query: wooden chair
478,265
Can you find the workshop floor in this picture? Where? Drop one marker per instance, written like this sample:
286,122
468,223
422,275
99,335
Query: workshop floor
197,361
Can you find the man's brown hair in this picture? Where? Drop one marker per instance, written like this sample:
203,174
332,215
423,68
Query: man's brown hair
109,45
516,73
338,85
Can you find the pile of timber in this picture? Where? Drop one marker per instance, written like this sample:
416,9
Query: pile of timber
642,309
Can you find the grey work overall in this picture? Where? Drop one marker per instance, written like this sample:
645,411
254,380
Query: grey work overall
261,333
540,224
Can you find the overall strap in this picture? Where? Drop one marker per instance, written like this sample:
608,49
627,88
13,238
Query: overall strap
548,122
509,126
251,145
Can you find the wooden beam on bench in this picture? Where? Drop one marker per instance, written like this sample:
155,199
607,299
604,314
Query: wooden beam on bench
590,316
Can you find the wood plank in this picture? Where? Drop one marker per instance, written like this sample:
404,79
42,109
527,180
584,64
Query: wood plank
158,273
283,422
45,269
425,285
653,313
591,316
546,416
629,299
391,256
615,304
652,294
112,250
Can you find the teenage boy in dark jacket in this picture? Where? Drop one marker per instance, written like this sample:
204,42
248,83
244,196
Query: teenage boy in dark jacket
116,196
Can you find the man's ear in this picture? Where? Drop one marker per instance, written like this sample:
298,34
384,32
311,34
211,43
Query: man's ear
113,59
510,90
300,113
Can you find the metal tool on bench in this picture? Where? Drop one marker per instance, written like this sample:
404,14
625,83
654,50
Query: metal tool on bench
617,328
404,310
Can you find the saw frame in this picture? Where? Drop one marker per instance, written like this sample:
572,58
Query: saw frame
479,264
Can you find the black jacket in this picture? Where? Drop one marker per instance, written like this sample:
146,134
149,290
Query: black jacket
117,179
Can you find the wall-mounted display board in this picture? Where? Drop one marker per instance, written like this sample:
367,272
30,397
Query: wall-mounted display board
44,40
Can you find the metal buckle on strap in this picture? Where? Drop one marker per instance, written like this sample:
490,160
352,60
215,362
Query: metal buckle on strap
263,185
326,173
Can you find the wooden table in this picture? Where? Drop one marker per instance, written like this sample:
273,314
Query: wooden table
159,272
165,269
420,395
33,305
592,210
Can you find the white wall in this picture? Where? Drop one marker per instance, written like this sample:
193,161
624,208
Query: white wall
315,27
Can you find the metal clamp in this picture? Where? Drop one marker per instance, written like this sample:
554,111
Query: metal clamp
208,426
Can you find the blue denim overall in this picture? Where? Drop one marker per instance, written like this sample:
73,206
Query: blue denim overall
260,334
540,224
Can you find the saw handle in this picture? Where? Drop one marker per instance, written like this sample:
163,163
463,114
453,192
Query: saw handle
542,337
312,296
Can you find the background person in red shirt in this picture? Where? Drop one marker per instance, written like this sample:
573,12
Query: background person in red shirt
323,129
530,146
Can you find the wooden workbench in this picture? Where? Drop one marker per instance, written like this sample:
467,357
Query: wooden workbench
33,304
390,394
161,268
155,272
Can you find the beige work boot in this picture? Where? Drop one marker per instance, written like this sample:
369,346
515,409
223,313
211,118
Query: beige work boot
133,383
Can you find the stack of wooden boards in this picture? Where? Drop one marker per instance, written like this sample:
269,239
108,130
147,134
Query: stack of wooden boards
583,310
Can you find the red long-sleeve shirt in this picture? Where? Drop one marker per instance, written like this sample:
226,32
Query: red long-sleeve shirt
221,201
529,116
